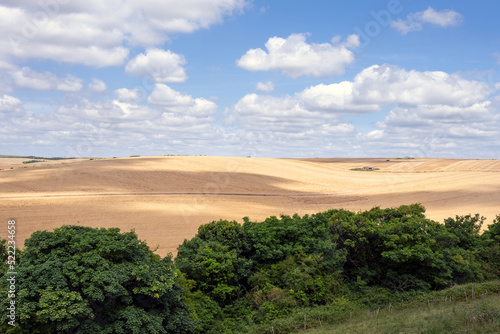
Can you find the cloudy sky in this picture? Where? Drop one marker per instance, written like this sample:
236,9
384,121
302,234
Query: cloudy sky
314,78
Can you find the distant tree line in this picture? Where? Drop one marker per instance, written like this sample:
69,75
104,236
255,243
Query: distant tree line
231,276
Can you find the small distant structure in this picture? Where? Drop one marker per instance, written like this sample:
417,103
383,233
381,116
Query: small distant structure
368,168
388,160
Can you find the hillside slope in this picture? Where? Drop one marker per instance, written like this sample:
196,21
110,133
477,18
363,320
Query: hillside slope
165,199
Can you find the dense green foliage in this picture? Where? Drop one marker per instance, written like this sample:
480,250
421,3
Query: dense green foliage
239,275
448,313
32,161
83,280
235,277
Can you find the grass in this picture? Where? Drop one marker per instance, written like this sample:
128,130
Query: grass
480,315
12,156
365,169
468,308
32,161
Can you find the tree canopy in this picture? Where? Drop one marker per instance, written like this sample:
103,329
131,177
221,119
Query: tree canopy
84,280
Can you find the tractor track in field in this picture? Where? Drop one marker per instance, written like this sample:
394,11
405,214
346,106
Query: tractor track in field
170,194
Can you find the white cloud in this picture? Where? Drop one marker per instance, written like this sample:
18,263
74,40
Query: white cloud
112,113
444,18
338,130
387,84
160,65
27,78
166,97
9,106
279,115
283,126
353,41
99,33
373,88
414,21
128,95
187,15
97,86
177,124
380,85
375,134
6,65
338,97
422,102
436,131
265,87
426,114
74,37
296,58
173,101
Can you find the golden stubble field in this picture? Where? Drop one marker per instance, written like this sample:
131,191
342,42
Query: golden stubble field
165,199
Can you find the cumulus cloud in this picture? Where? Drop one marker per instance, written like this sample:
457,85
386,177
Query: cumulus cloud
415,21
9,105
420,102
284,126
296,58
172,123
28,78
97,86
6,65
282,115
386,84
97,33
339,97
371,89
110,113
436,130
128,95
171,100
265,87
160,65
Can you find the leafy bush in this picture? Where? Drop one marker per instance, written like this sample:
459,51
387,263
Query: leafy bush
255,277
376,257
79,279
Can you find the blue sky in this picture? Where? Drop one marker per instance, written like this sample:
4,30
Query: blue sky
250,78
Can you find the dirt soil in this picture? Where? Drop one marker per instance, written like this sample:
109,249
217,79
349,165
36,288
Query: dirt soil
165,199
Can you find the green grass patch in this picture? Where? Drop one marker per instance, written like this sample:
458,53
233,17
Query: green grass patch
370,169
11,156
469,308
475,316
32,161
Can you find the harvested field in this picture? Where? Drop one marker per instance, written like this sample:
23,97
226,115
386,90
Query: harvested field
165,199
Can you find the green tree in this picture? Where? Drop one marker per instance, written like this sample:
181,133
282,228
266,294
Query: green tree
396,248
83,280
492,233
216,270
275,239
466,229
491,251
3,251
227,233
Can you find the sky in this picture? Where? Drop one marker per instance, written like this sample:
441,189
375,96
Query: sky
316,78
